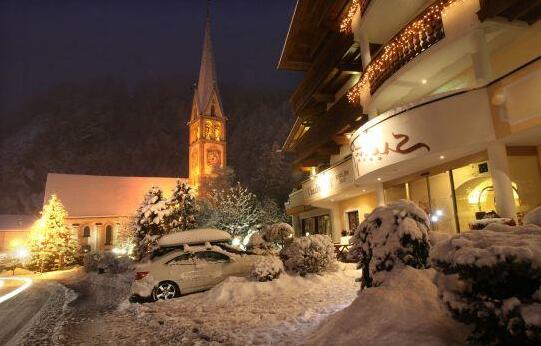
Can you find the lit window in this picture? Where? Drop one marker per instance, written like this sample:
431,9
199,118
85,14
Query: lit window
108,235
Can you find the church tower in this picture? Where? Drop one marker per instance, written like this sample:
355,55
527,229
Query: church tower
207,120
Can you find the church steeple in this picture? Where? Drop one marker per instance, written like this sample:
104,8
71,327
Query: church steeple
207,121
207,82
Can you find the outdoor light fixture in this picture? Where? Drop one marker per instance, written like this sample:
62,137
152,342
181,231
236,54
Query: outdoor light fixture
434,218
439,212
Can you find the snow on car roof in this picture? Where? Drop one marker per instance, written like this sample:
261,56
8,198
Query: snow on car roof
194,236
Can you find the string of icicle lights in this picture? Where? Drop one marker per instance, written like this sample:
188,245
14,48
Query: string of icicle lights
398,45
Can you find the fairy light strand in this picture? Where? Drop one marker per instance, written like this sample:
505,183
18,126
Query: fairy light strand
399,47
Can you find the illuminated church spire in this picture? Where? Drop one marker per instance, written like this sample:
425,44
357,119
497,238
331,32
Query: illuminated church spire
207,121
207,82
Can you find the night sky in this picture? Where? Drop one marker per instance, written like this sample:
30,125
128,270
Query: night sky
45,42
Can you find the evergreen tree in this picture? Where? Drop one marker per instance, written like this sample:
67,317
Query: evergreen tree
181,209
149,221
52,242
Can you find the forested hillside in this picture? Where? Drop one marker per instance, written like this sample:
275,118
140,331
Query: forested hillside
109,128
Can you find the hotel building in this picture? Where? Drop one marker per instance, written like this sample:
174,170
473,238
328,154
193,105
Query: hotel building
437,102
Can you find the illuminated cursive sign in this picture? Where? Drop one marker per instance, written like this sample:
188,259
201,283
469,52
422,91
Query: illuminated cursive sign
369,150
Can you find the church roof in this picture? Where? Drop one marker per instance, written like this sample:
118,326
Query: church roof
207,82
99,196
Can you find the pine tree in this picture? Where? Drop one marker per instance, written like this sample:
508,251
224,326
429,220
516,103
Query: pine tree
52,243
149,221
235,210
181,209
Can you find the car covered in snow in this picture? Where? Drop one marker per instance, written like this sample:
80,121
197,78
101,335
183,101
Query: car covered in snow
188,262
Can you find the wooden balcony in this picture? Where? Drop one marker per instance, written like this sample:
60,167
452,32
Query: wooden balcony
528,11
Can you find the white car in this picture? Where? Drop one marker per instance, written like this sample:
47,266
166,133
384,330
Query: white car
187,269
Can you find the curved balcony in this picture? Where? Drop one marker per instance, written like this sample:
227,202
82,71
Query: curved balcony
447,47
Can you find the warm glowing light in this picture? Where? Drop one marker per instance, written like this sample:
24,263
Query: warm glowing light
423,81
307,234
417,32
27,282
379,179
434,218
442,157
236,241
22,253
479,193
439,212
345,25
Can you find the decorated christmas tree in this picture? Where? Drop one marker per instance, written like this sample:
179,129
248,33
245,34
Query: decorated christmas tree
181,209
53,245
149,221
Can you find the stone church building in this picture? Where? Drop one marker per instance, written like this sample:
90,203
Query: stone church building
99,207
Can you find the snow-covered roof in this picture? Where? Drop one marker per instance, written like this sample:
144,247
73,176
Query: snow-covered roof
194,236
16,222
93,195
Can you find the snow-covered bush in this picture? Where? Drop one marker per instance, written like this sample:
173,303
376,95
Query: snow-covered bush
270,239
9,263
533,217
311,254
267,268
390,236
493,280
107,262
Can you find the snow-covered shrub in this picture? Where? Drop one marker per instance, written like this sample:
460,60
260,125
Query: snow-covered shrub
107,262
267,268
483,223
270,239
390,236
533,217
496,276
9,263
311,254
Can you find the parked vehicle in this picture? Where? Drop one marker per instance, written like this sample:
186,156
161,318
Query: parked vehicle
176,269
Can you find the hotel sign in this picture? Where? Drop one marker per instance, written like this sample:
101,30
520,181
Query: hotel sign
329,182
423,133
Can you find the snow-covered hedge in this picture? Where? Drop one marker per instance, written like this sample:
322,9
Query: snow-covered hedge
493,280
267,268
311,254
107,262
392,235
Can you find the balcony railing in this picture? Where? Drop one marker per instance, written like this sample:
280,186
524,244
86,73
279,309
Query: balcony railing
345,23
418,35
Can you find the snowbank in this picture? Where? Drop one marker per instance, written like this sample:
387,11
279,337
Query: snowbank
533,217
194,236
239,311
404,310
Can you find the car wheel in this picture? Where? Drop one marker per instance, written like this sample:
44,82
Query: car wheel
165,290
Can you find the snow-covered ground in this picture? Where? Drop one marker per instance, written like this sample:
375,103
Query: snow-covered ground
405,310
239,311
